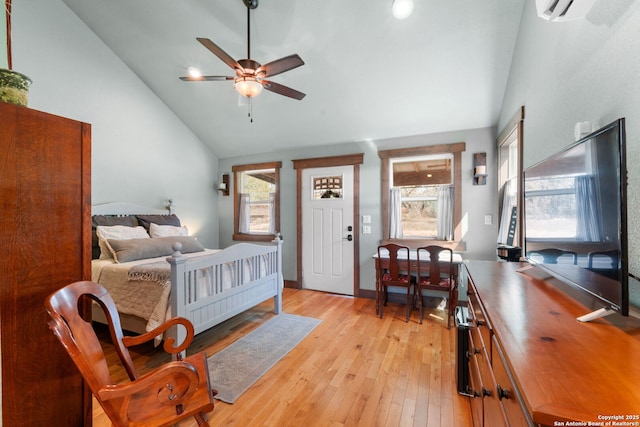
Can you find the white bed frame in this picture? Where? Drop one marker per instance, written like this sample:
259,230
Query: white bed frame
205,311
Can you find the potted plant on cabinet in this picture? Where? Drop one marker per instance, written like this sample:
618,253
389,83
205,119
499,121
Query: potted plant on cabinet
14,86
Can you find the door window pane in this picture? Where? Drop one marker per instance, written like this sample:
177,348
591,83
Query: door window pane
327,187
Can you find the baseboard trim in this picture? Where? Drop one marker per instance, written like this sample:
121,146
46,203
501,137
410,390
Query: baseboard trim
367,293
291,284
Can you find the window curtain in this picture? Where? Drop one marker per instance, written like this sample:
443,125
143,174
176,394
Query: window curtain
445,212
272,213
509,200
244,220
395,214
588,216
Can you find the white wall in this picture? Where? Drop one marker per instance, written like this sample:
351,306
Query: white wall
141,152
589,69
477,200
3,54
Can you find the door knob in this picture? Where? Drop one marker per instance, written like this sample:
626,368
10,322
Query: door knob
349,237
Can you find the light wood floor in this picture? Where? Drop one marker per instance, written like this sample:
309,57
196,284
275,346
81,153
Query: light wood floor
354,369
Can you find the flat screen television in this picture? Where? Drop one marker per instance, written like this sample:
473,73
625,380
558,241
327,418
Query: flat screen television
575,208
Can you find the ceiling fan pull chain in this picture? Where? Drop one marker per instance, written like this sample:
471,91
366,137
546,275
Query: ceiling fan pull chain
251,109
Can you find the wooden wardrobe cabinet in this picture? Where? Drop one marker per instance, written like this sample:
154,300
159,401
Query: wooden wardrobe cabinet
45,233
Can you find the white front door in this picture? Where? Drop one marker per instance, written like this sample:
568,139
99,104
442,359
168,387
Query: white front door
327,229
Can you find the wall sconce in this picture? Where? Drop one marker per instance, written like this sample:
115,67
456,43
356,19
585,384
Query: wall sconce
223,187
479,168
170,205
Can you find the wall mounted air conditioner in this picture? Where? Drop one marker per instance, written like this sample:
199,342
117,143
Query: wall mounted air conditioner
563,10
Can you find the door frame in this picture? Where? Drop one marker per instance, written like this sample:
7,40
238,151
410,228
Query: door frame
354,160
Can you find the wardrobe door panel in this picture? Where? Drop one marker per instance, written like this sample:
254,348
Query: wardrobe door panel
45,177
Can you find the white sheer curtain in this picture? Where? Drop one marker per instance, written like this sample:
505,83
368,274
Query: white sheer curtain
272,213
588,216
395,214
509,200
244,210
445,213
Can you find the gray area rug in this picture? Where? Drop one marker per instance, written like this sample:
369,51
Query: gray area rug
237,367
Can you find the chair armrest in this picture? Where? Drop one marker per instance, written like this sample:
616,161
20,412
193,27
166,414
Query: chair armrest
170,385
169,343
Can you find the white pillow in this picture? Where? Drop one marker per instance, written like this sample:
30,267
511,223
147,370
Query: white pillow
117,232
156,230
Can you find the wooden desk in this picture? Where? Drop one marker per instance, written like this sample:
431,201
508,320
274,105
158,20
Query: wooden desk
383,262
533,363
411,265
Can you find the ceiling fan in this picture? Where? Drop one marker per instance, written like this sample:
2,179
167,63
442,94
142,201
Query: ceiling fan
251,76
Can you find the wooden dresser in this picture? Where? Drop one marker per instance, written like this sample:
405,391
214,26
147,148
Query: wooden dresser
531,363
45,189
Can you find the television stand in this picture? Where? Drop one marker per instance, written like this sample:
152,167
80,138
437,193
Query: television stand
603,312
519,321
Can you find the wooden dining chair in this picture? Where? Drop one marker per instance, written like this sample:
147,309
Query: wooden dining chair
162,397
393,269
438,279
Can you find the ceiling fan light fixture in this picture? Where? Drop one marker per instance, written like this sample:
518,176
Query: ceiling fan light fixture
194,72
402,8
248,86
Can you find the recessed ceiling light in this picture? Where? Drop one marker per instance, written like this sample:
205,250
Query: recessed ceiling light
402,8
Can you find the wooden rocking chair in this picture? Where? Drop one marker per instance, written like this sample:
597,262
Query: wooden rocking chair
162,397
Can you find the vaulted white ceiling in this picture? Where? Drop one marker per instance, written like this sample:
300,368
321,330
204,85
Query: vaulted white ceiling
367,75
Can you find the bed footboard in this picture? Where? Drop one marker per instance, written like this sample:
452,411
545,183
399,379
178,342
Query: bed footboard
210,289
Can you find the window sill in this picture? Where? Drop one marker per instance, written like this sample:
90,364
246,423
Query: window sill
253,237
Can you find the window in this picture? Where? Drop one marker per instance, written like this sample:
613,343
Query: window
256,201
510,181
418,182
421,194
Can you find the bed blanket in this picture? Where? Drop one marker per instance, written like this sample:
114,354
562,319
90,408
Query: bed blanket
140,288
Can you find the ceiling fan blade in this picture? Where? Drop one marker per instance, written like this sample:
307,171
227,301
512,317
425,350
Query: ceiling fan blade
280,65
217,51
206,78
282,90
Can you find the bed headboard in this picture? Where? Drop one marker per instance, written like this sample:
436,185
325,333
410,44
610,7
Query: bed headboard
127,214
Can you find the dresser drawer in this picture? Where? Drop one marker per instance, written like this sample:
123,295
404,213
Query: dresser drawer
478,340
494,413
475,392
506,391
480,322
486,409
